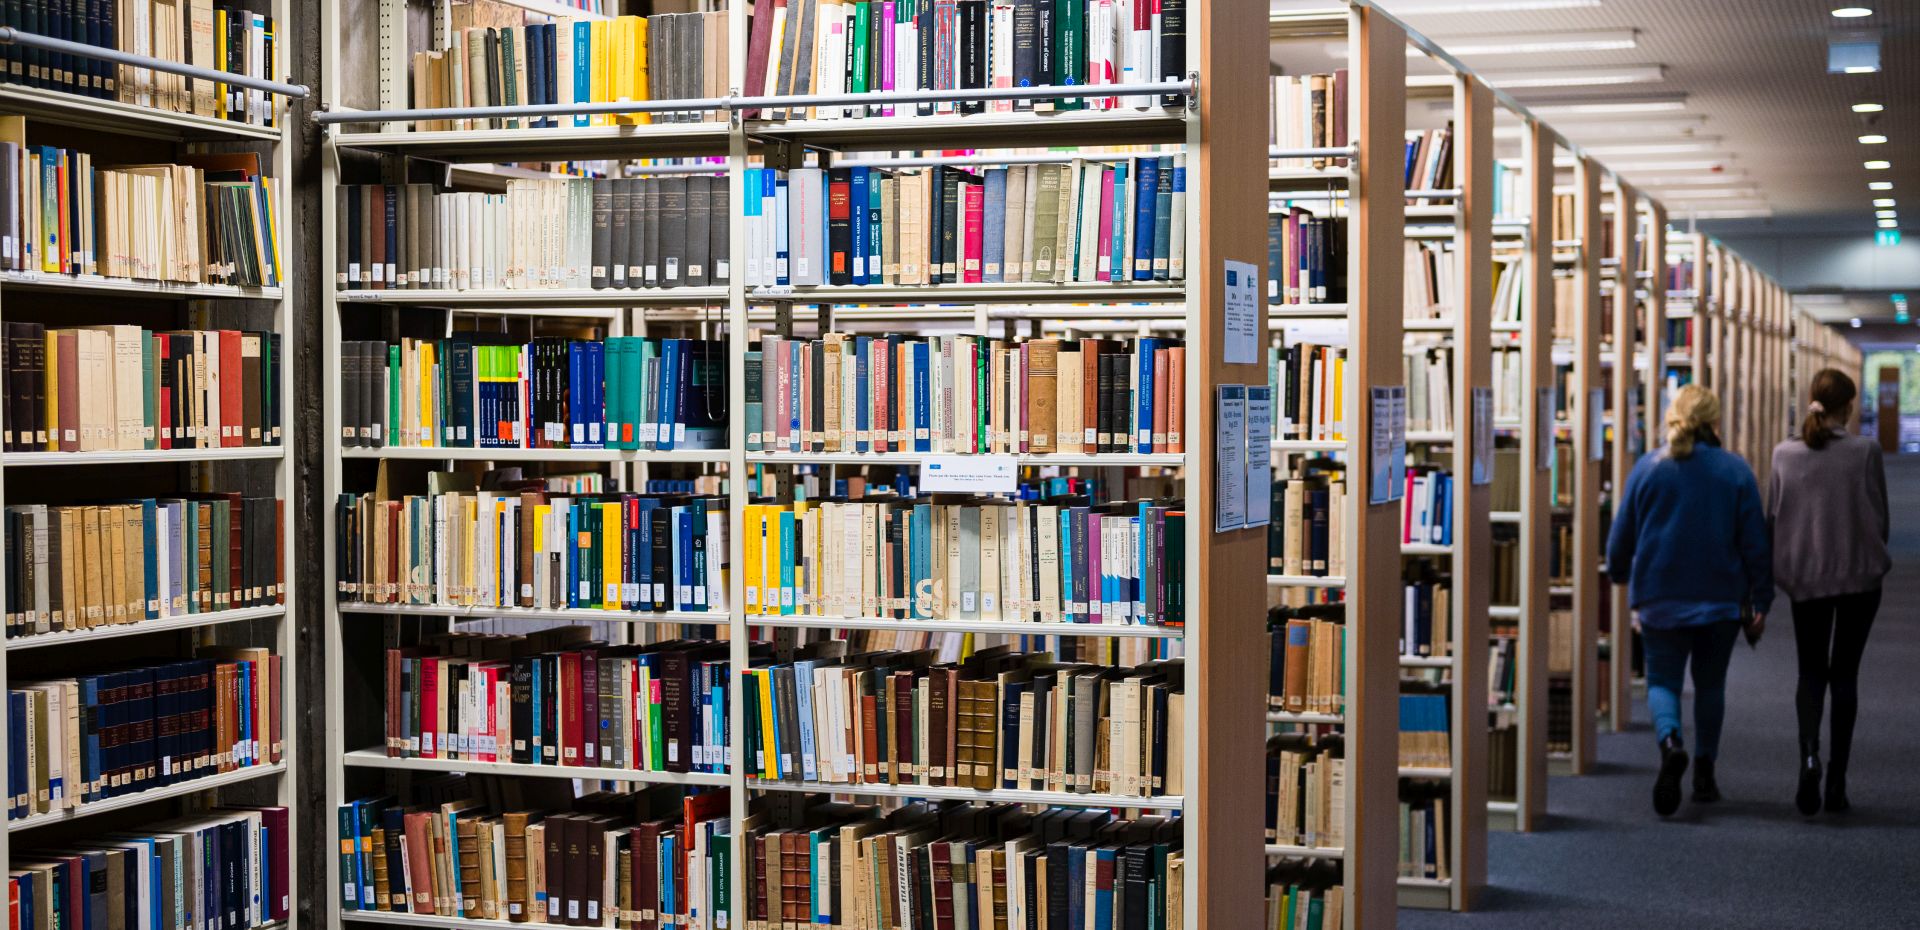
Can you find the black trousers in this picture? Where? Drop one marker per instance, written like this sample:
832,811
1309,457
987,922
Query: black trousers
1831,633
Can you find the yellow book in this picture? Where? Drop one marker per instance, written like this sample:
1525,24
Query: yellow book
642,83
750,538
600,67
620,81
774,559
764,682
469,549
610,562
220,62
429,426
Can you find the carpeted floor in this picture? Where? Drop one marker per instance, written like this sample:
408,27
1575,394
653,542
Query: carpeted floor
1751,861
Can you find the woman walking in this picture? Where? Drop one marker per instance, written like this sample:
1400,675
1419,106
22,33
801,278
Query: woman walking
1689,539
1828,511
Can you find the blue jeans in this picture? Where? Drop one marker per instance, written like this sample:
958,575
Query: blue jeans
1711,646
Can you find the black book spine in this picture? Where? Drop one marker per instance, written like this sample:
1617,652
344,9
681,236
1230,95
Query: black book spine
1173,48
973,51
923,59
602,233
620,226
950,222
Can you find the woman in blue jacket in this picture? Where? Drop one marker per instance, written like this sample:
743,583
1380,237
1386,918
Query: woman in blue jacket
1689,540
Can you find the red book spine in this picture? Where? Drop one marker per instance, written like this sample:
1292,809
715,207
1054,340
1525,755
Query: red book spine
975,231
429,715
394,736
274,819
878,374
232,430
569,708
164,402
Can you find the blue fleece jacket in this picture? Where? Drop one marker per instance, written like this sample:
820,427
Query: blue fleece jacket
1689,539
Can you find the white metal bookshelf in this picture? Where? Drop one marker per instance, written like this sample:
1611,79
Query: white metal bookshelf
1182,304
267,470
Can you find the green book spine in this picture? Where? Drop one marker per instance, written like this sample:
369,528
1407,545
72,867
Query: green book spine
722,846
222,583
393,395
150,401
627,363
862,24
1070,48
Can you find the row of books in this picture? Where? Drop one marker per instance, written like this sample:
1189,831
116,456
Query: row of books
74,741
1081,220
525,547
1059,560
1309,390
193,32
1305,895
965,394
1307,535
1306,256
1307,659
1505,573
476,390
1509,289
227,867
1424,832
651,859
555,697
1308,111
1510,401
1429,158
996,719
669,56
876,46
1427,512
211,219
1425,736
106,388
1426,619
1502,670
549,233
1427,367
1432,283
1306,790
87,566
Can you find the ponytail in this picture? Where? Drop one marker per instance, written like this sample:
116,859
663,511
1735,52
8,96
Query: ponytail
1691,416
1831,392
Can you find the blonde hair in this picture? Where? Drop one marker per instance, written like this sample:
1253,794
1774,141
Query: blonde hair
1694,408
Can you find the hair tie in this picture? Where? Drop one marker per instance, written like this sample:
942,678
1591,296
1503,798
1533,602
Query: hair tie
1816,407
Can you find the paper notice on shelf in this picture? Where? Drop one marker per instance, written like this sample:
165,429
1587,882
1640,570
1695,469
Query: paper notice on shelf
1596,424
1259,456
1543,428
1230,459
969,474
1388,438
1241,333
1483,435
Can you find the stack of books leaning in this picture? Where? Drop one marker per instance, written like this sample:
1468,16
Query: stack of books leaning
76,741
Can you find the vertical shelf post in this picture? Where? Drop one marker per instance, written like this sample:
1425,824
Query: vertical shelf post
1588,420
1379,119
1226,643
1536,499
1620,633
1654,257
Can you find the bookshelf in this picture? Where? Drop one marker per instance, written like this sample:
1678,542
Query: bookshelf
1223,660
262,466
1588,432
1627,439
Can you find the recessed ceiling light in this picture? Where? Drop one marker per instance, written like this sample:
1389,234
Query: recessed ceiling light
1879,185
1885,214
1889,224
1852,12
1860,69
1868,107
1878,165
1531,43
1883,201
1855,322
1872,139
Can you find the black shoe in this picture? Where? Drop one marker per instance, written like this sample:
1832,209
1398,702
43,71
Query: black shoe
1837,788
1705,789
1808,797
1666,788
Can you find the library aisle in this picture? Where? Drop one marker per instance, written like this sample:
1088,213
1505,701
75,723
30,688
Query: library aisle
1605,860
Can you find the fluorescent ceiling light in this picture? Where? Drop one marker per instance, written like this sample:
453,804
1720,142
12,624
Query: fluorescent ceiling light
1878,165
1574,77
1883,201
1405,8
1867,108
1630,166
1742,214
1879,185
1703,193
1860,69
1701,144
1872,139
1885,214
1889,224
1531,43
1721,179
1610,107
1852,12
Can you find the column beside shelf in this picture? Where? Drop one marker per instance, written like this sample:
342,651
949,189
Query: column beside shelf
1536,527
1627,422
1589,588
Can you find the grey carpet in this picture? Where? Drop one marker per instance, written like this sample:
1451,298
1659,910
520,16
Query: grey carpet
1751,861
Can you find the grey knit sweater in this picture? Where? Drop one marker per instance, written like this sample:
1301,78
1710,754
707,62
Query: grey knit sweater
1827,509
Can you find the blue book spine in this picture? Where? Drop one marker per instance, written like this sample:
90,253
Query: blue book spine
863,422
921,562
1076,886
803,693
922,398
16,754
994,226
576,430
536,70
857,216
876,232
777,191
1118,261
1146,183
597,386
1163,220
1071,584
150,554
683,580
751,212
576,579
786,565
670,361
1143,395
1103,895
582,60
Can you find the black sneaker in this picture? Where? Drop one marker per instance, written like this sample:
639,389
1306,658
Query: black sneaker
1705,789
1808,797
1666,788
1837,788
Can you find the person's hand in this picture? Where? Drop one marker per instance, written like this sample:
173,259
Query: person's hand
1756,626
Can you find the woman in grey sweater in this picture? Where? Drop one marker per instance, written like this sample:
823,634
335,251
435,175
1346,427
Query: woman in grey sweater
1827,508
